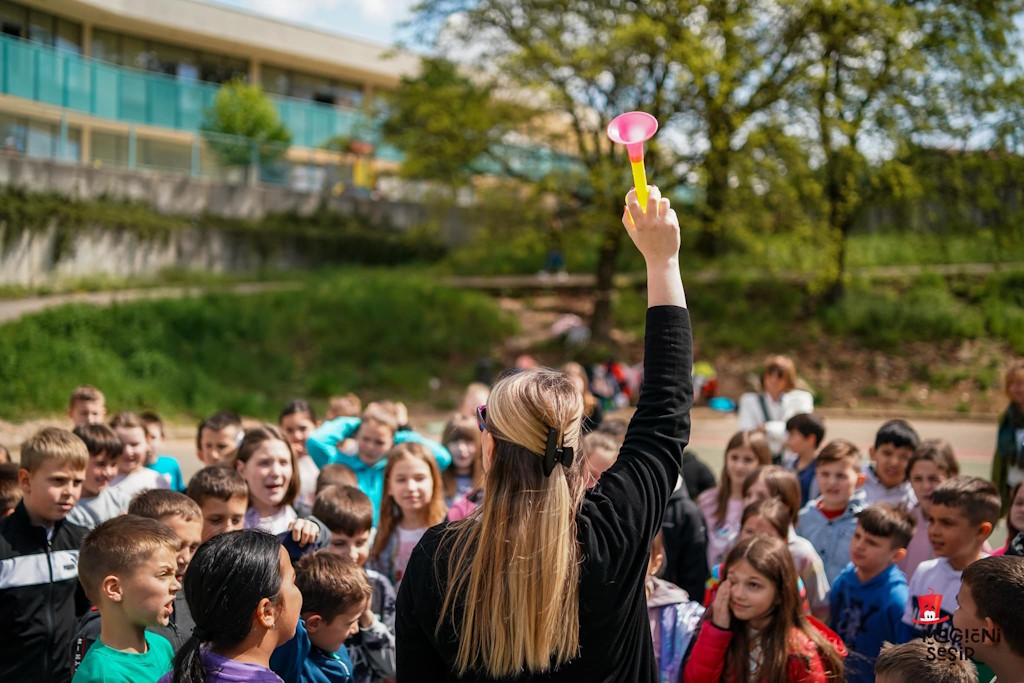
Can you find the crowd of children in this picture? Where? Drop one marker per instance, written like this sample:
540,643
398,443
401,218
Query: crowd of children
281,558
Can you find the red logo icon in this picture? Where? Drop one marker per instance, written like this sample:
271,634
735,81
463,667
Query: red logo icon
928,609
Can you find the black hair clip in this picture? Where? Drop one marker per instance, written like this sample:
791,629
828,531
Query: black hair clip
554,454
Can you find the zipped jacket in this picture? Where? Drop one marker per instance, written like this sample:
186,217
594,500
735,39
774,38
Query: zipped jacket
40,598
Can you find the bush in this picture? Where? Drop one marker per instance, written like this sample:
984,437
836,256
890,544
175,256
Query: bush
373,332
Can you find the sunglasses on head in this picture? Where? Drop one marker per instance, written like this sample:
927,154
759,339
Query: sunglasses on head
481,417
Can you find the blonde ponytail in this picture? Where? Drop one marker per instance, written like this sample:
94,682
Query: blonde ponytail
519,556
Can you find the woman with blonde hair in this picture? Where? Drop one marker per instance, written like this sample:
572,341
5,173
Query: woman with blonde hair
545,580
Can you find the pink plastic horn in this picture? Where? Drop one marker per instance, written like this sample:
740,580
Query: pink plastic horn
633,129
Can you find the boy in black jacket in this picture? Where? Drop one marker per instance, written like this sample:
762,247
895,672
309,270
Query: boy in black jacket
39,591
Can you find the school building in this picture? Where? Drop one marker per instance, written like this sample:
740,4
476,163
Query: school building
125,83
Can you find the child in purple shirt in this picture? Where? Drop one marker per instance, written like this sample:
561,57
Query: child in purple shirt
241,590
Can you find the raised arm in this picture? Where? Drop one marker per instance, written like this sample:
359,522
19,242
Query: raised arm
322,444
632,495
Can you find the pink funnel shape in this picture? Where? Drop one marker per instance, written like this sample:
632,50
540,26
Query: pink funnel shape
633,129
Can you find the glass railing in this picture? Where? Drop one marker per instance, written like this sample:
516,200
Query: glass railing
41,73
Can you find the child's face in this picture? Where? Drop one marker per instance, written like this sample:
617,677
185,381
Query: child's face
952,535
357,547
268,473
221,516
289,604
51,491
869,553
147,594
297,427
798,443
752,595
925,476
331,635
1016,514
374,441
838,481
740,462
411,485
463,452
1016,389
756,524
598,462
190,533
215,444
891,463
98,473
757,492
966,619
154,439
135,449
87,413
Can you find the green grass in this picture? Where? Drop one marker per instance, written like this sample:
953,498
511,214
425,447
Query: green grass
371,331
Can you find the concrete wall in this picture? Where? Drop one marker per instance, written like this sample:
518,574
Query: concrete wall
28,259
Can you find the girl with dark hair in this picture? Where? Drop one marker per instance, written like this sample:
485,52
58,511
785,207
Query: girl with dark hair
241,590
756,630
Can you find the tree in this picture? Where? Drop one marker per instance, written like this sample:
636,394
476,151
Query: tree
701,70
888,73
243,110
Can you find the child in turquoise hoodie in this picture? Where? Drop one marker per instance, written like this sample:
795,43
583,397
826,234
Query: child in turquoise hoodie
375,432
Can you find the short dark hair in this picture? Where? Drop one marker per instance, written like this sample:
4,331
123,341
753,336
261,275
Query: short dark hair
100,438
979,498
938,451
335,474
217,481
161,503
840,450
149,418
808,424
118,546
915,662
888,521
298,405
10,491
344,509
217,422
898,433
613,426
997,586
330,584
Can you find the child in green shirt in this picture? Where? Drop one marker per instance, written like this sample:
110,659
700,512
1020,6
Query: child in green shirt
127,566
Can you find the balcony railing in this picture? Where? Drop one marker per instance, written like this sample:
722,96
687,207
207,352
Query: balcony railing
44,74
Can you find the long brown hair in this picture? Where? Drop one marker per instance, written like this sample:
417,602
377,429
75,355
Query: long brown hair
770,557
256,437
518,555
462,428
755,441
390,513
781,484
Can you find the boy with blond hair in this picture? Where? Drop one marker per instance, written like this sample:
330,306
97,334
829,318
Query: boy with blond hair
964,512
183,517
829,520
348,514
87,406
39,593
99,501
127,568
335,593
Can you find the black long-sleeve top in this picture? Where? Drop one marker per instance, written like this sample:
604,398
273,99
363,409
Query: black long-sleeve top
616,522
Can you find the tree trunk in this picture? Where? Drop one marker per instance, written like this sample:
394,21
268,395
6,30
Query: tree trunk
716,165
601,322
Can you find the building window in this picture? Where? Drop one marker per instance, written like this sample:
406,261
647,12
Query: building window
42,27
306,86
182,62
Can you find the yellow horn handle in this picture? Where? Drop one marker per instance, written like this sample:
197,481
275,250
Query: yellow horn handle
640,183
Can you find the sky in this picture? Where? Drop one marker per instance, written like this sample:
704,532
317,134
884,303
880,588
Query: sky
374,20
